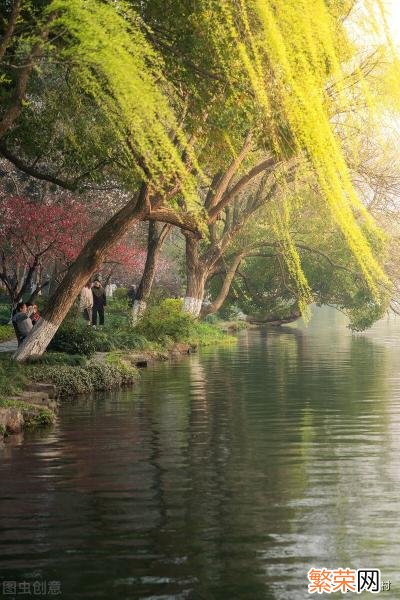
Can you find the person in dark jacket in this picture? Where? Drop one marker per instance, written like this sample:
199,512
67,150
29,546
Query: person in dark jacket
21,322
99,302
132,295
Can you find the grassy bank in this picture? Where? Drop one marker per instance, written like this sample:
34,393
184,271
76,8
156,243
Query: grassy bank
29,415
82,359
70,374
162,326
17,411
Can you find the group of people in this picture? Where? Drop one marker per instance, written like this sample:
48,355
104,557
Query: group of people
92,302
93,299
25,316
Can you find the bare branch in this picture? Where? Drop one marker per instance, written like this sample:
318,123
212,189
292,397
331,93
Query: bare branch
265,165
226,178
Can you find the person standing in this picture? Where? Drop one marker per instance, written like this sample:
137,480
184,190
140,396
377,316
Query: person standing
110,289
86,303
99,302
132,295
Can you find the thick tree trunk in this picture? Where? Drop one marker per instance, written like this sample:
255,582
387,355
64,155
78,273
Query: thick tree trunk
196,274
274,319
79,272
156,236
138,310
226,286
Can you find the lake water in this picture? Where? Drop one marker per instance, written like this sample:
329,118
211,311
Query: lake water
225,476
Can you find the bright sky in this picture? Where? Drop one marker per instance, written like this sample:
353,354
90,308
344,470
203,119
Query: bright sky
361,28
393,17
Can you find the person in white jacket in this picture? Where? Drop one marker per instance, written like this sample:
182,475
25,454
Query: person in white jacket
86,303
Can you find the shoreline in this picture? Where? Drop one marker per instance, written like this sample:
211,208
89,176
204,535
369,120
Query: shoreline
36,406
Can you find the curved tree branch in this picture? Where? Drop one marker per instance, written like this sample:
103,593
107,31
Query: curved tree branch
265,165
10,28
14,110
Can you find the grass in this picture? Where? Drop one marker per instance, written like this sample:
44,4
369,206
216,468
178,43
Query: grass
34,416
93,376
6,333
71,374
59,358
69,365
13,376
120,360
205,334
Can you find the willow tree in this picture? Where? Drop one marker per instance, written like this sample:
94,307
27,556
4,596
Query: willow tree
247,245
108,56
112,63
301,61
276,57
254,264
156,236
267,291
300,74
228,203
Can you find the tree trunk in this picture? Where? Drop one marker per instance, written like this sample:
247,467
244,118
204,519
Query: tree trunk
156,237
79,272
196,274
274,319
138,310
12,112
8,33
37,291
226,286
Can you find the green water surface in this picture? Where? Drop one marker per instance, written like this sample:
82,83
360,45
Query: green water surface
225,476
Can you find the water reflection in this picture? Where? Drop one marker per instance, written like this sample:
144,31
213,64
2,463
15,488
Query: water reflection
225,476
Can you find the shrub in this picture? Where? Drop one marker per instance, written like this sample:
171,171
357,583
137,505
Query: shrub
166,323
127,371
166,320
72,381
102,341
59,358
69,381
78,339
213,319
103,376
119,302
74,338
128,339
37,417
120,294
5,312
34,416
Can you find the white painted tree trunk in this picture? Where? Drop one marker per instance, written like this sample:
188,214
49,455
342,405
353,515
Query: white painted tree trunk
138,310
37,344
192,305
